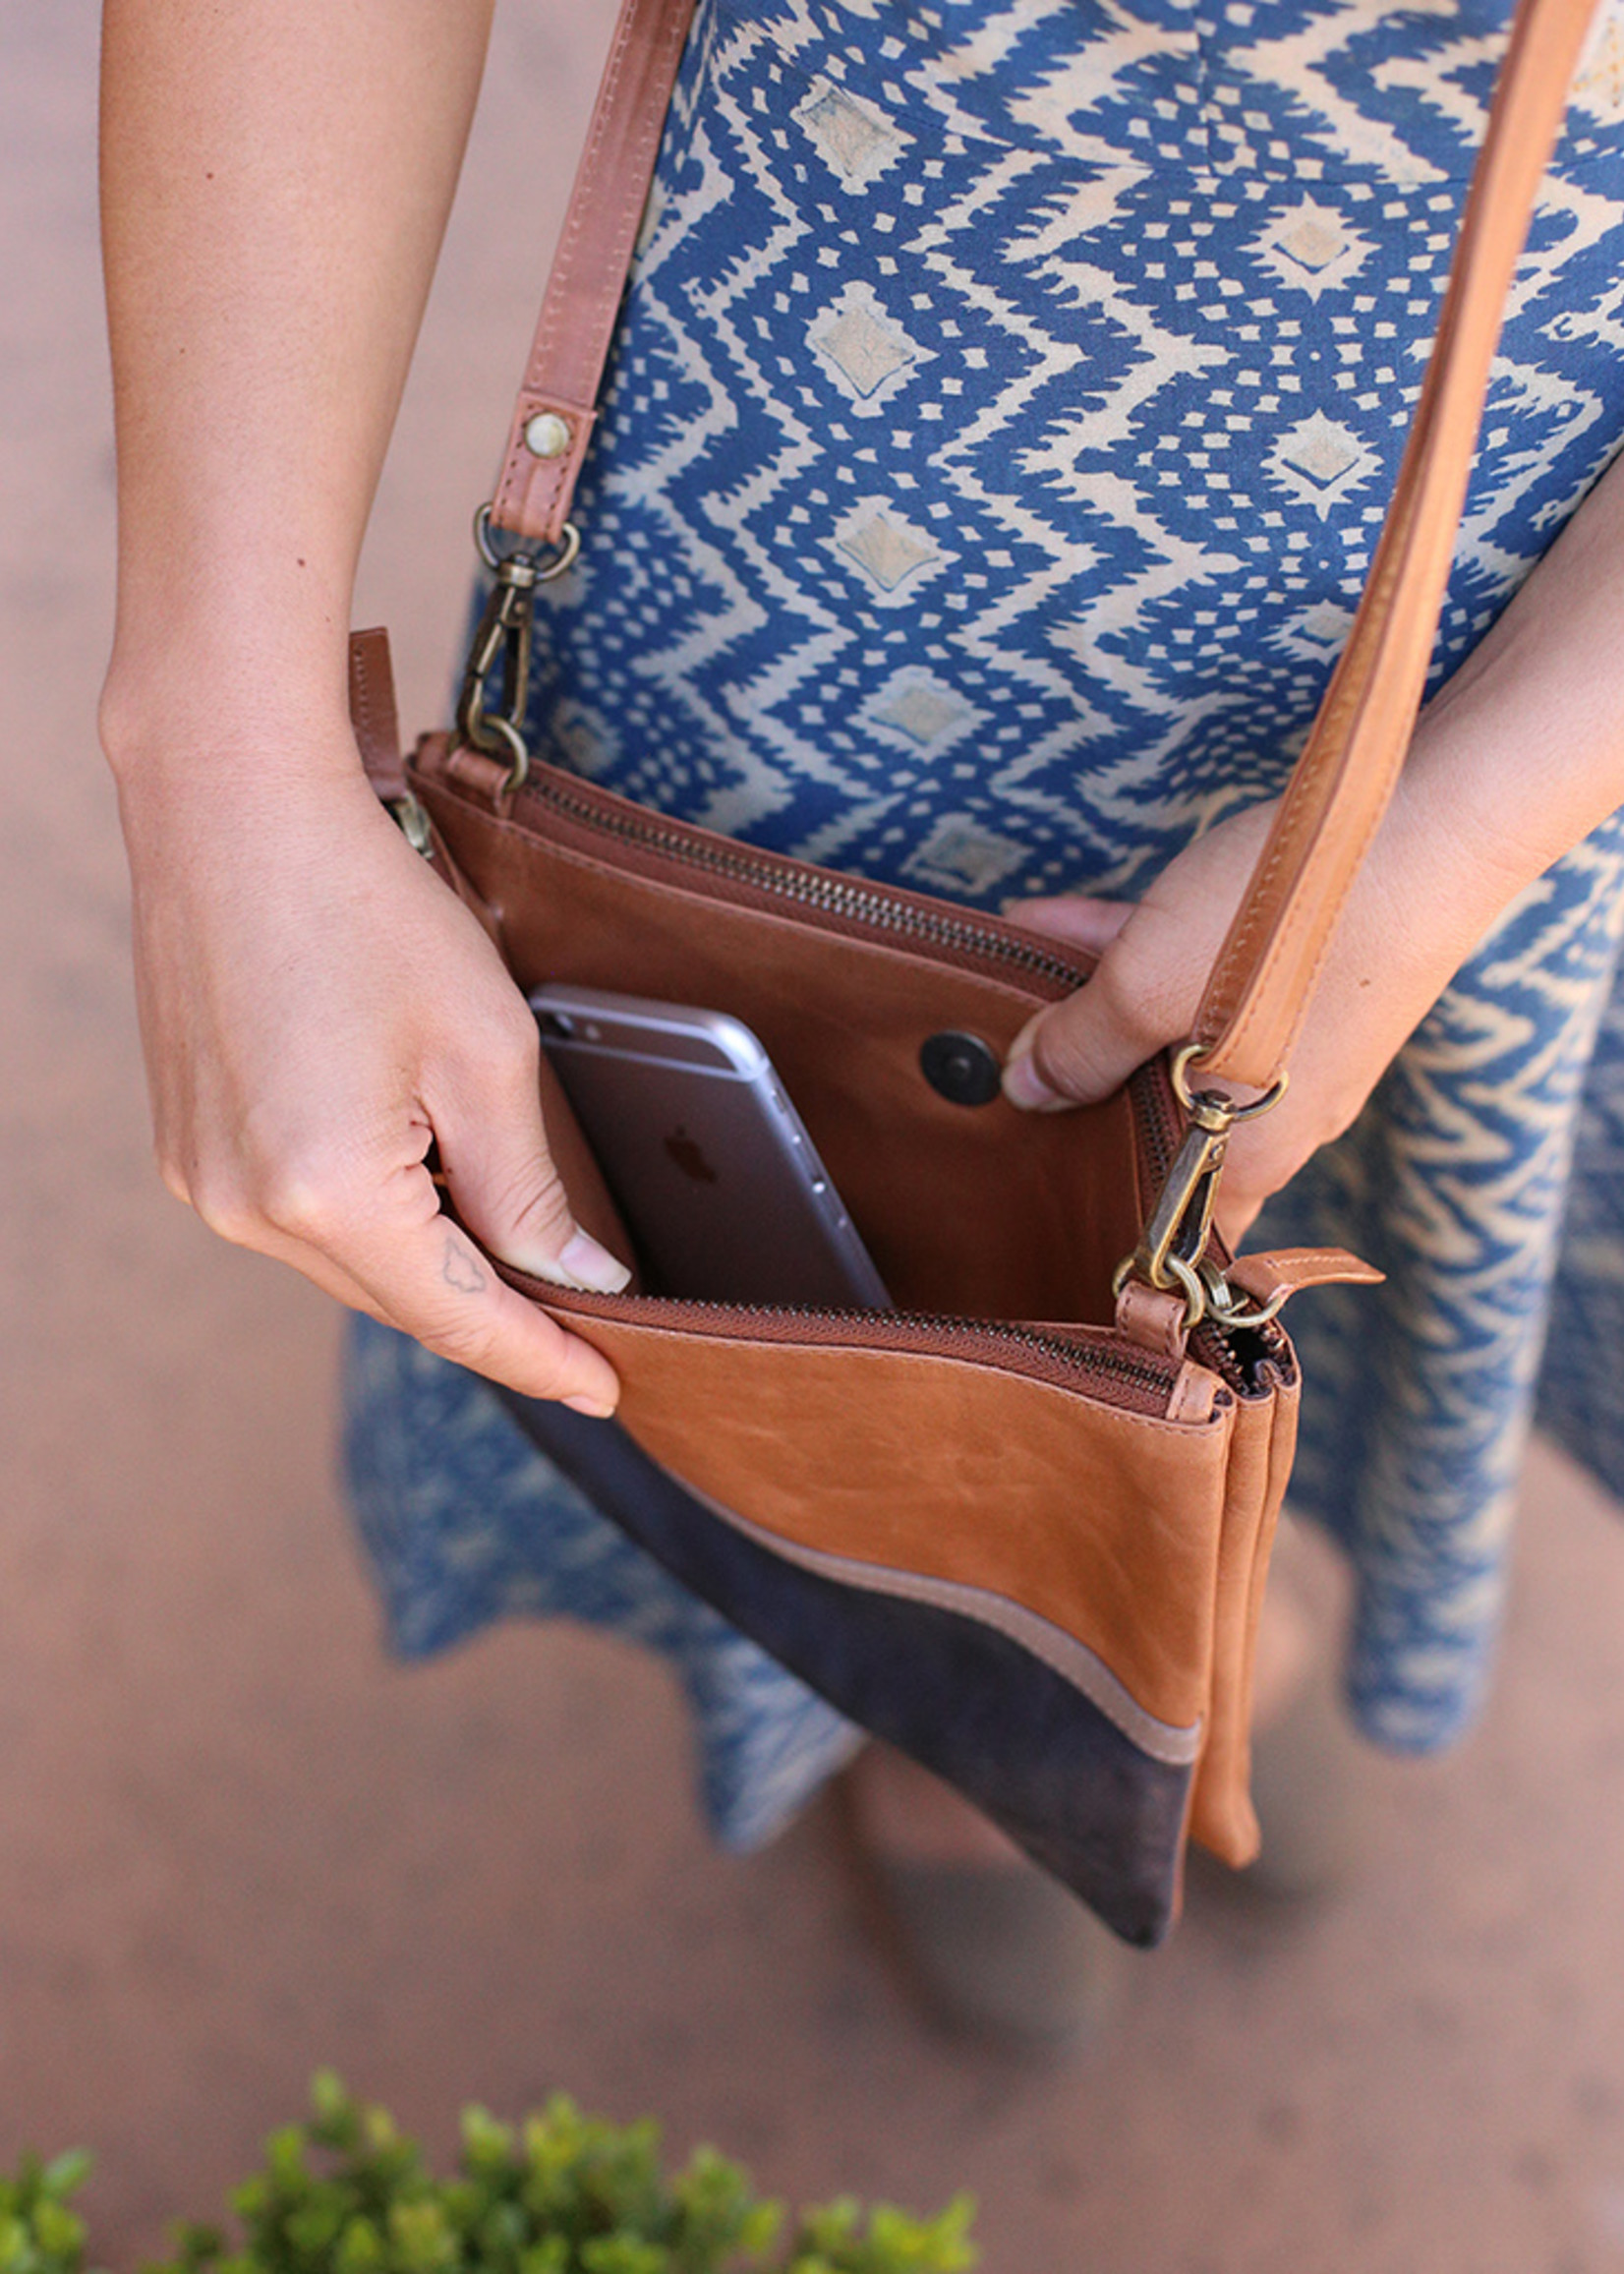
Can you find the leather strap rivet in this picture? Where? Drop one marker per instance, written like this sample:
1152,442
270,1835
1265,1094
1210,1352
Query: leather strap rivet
548,436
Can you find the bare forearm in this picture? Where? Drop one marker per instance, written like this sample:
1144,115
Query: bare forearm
276,176
1522,754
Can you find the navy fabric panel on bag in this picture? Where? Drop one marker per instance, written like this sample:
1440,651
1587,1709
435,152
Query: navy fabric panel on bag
963,1700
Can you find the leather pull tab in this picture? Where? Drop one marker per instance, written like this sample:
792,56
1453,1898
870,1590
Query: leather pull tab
489,780
377,727
1287,1271
374,715
1153,1319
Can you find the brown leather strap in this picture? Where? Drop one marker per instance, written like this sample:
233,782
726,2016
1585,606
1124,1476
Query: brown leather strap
1259,988
374,715
1258,993
557,403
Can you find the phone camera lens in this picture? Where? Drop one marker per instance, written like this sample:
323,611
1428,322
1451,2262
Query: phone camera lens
555,1022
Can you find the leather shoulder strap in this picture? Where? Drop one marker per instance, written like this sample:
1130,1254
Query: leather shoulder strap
1259,988
557,403
1258,993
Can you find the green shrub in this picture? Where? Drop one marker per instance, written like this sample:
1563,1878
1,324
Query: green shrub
38,2232
561,2193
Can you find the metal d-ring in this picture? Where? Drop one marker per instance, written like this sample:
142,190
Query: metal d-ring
1185,1059
1178,1276
1228,1308
541,572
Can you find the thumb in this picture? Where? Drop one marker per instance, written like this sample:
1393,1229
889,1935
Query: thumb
1075,1052
503,1177
1078,918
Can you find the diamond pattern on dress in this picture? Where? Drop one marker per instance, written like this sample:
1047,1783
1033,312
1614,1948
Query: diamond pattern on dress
852,138
888,549
866,352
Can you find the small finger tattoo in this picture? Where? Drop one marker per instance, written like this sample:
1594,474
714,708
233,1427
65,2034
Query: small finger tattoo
461,1269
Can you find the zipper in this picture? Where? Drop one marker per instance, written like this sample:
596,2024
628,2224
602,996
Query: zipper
1140,1380
843,900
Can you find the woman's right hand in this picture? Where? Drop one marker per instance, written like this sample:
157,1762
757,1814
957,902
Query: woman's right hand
316,1010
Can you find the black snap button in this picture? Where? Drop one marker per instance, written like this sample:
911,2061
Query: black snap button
962,1068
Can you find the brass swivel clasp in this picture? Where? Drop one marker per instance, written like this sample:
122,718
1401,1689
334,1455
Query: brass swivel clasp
504,635
1172,1254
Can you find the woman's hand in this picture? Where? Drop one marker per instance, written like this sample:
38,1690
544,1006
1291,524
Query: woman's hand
316,1009
1399,944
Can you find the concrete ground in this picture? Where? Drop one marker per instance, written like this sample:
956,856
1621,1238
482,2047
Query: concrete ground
237,1843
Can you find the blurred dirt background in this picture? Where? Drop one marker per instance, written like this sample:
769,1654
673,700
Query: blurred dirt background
235,1842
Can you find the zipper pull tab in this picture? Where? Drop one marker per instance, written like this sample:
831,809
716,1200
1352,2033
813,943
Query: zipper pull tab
1274,1277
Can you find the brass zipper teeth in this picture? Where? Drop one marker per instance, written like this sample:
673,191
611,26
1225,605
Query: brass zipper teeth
1095,1357
860,903
895,1330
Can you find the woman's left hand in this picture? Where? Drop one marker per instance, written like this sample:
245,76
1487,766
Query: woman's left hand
1399,943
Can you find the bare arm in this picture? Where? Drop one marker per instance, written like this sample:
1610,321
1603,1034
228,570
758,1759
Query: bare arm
315,1006
1515,761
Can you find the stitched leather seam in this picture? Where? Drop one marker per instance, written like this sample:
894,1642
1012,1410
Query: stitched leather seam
545,490
564,258
1192,1395
361,700
1303,1259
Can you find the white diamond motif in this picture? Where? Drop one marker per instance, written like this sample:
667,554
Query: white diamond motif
853,138
919,707
1319,460
962,856
1326,624
865,351
888,550
1312,248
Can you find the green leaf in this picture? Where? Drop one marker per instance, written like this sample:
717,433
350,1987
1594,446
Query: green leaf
58,2230
360,2249
624,2254
195,2248
317,2225
551,2256
421,2238
285,2158
486,2145
66,2173
335,2121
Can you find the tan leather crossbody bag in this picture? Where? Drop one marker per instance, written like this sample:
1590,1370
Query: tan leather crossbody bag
1019,1525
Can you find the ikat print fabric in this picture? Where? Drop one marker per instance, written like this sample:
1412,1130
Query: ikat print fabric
1003,415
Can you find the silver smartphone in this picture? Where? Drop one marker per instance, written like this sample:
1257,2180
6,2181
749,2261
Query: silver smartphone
715,1175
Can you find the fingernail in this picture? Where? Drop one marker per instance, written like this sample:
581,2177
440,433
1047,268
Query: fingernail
594,1407
1025,1086
591,1265
582,1262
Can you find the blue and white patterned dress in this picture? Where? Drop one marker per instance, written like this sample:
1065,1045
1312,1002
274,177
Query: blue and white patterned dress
1002,418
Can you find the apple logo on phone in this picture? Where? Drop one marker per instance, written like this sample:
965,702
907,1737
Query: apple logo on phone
686,1152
